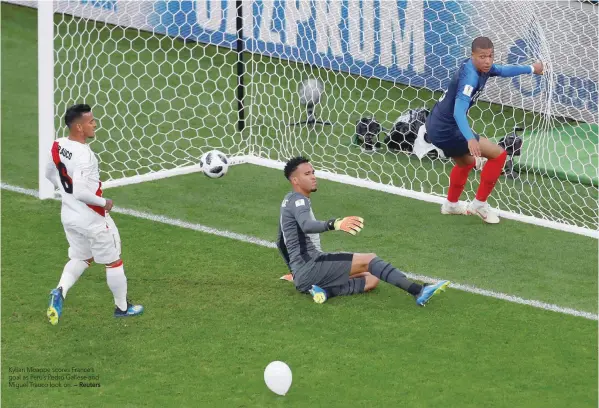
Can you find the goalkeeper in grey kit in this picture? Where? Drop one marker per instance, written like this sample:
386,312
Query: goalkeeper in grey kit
323,274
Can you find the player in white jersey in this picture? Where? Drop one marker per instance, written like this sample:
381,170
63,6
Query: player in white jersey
92,235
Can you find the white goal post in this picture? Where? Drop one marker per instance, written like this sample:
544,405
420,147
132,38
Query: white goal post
172,79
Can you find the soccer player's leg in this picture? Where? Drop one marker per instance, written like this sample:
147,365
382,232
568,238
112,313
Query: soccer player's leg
352,287
80,257
488,178
457,181
456,147
331,270
359,283
371,280
385,271
106,247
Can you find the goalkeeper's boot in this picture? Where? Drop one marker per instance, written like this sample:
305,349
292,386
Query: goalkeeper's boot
55,307
484,211
132,310
318,294
454,208
428,291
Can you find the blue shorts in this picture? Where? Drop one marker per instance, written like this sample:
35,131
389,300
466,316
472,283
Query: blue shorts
454,145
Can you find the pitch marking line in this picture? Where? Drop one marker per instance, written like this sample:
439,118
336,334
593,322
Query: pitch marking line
261,242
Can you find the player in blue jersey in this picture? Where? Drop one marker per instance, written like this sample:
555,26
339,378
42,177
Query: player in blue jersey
447,128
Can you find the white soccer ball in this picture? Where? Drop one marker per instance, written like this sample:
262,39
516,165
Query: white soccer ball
214,164
277,377
310,91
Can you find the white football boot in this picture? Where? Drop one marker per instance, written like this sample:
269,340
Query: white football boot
458,208
484,211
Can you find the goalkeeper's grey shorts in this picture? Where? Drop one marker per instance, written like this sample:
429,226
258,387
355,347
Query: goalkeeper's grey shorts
328,270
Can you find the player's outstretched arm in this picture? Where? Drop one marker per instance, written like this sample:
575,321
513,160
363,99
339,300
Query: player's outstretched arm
352,225
305,219
506,71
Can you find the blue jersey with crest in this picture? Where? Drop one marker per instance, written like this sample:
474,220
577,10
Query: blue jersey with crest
448,118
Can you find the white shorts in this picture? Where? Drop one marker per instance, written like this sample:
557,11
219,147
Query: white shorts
103,244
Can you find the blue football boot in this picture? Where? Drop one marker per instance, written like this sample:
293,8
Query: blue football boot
429,291
132,310
318,294
55,307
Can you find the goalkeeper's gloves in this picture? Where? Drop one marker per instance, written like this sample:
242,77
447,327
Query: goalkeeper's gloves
351,225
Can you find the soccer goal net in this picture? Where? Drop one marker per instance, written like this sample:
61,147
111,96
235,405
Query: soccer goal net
264,80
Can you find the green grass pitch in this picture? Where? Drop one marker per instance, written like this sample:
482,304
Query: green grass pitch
216,313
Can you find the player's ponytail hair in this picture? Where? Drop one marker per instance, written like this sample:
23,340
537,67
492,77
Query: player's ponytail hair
75,112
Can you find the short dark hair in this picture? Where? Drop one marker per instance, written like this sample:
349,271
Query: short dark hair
293,164
482,43
75,112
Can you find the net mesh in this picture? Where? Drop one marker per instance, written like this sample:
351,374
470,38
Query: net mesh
162,79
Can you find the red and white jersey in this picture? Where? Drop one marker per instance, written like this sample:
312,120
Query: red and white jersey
73,169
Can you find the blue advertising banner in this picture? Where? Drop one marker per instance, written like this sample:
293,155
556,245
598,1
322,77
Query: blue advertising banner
416,42
410,42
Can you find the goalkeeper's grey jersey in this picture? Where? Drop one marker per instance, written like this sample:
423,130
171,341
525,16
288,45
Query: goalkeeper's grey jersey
299,231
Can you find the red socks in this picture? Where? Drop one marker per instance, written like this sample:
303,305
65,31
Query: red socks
488,179
489,176
457,182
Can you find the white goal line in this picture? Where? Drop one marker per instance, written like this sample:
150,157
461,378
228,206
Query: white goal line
257,241
250,159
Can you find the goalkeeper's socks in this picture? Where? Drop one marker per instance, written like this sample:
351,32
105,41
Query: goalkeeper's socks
457,182
390,274
117,282
71,272
489,176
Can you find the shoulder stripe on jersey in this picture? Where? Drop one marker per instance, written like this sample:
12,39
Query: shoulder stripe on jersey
62,170
55,153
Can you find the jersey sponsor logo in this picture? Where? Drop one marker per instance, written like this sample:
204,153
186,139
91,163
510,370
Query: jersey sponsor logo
468,90
299,203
